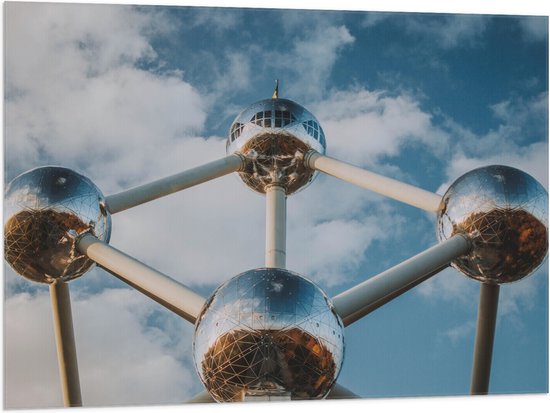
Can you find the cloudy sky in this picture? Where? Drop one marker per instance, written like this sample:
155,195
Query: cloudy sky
126,94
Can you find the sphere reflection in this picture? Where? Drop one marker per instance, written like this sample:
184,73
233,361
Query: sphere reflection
275,134
46,209
504,211
268,332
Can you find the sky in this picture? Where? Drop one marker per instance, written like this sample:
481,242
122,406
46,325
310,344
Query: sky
126,94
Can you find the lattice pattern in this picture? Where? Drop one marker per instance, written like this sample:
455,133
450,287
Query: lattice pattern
47,209
276,153
503,210
508,242
268,331
274,134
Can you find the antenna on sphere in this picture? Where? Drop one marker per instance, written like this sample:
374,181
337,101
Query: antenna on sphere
276,91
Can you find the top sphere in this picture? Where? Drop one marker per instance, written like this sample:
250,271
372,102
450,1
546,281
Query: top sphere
504,211
46,210
268,332
274,134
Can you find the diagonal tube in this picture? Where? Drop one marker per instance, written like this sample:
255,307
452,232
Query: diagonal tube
174,183
362,299
65,343
485,336
166,291
389,187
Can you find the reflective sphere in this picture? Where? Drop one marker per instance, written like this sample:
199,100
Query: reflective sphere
268,332
45,211
274,134
505,213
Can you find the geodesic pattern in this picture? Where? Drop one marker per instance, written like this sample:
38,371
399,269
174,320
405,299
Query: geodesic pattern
269,332
274,135
504,212
46,210
276,158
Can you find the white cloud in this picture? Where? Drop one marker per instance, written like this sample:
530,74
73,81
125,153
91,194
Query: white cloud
71,41
332,252
30,367
520,296
441,30
459,332
450,285
312,59
94,107
89,102
448,31
217,20
201,236
515,300
77,97
373,18
122,359
532,159
519,141
366,125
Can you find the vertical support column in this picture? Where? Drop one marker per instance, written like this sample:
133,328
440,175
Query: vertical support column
275,229
66,349
485,335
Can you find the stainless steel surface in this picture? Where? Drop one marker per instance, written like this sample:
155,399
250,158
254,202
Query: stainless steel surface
274,134
46,209
268,332
504,211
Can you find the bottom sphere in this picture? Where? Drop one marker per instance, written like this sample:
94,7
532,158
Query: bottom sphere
268,332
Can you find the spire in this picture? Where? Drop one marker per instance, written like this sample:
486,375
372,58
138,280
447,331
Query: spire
276,92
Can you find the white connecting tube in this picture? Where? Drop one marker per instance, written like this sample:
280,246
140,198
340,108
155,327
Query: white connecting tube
389,187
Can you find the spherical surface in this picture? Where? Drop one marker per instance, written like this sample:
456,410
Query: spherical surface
46,210
268,332
505,213
275,134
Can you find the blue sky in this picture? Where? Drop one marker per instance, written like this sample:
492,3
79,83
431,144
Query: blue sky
126,95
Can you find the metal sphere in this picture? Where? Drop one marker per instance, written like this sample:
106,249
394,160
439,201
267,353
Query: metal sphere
46,209
505,213
268,332
274,134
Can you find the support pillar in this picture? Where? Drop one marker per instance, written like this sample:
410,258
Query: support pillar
485,336
275,238
65,343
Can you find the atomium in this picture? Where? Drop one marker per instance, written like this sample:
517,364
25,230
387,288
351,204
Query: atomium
274,134
46,210
268,332
504,213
